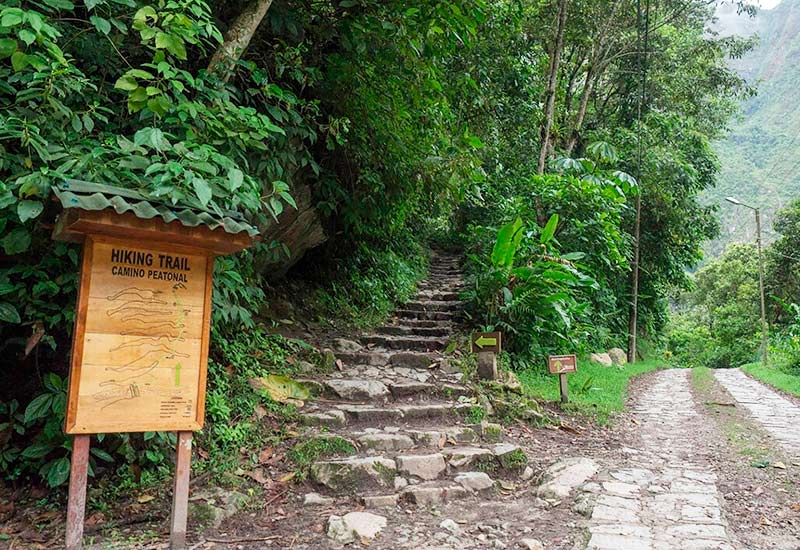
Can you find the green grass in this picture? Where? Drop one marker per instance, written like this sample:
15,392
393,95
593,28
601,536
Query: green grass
775,377
594,390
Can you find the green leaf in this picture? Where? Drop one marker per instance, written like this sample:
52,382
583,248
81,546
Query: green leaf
101,454
549,229
19,61
126,82
101,24
7,47
11,17
58,472
282,388
508,239
236,178
27,36
18,240
39,407
9,314
27,210
37,450
202,189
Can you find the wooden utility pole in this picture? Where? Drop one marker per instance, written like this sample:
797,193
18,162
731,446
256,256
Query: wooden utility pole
633,321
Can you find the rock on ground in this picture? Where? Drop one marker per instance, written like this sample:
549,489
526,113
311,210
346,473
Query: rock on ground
602,358
563,476
355,526
618,356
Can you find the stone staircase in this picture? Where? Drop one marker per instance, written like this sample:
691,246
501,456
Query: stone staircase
407,411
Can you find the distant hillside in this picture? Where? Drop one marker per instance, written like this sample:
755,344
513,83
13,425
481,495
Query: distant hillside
761,156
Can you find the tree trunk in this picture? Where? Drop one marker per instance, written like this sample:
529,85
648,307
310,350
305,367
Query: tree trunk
552,81
582,107
238,38
593,73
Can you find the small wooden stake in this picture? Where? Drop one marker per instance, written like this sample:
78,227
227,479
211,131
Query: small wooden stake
180,494
562,384
76,505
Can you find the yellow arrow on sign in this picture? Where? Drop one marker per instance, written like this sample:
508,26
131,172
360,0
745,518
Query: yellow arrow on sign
483,341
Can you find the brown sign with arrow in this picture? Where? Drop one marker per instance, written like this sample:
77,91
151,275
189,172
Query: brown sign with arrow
483,342
562,364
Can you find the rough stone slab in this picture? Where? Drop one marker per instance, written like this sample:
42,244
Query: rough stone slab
408,389
355,526
429,411
475,481
357,390
363,413
386,441
565,475
427,467
331,419
353,473
460,457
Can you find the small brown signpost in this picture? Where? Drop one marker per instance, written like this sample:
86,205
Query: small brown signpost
487,345
140,346
562,365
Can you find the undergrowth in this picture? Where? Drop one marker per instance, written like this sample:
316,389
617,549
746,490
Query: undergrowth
594,390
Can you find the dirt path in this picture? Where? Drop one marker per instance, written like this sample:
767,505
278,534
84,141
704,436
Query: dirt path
774,413
665,496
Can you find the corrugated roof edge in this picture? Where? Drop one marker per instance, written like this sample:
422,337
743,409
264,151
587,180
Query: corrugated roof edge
94,196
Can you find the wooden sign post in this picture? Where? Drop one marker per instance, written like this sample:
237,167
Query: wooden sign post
561,365
140,345
487,345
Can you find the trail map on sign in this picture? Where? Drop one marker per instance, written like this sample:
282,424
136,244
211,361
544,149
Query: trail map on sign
141,363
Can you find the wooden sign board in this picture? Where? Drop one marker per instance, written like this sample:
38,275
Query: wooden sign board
486,342
562,364
141,341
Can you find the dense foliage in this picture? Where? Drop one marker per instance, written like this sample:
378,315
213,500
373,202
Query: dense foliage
718,322
369,126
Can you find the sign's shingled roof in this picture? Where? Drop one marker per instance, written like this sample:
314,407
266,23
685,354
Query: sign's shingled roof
94,196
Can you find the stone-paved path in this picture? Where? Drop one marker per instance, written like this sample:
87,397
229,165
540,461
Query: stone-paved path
776,414
665,496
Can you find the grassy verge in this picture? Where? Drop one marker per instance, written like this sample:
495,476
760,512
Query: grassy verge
594,390
775,377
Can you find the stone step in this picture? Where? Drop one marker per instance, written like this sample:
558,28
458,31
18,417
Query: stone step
382,358
363,473
426,315
418,343
362,413
441,295
342,415
399,330
369,389
404,439
424,323
434,305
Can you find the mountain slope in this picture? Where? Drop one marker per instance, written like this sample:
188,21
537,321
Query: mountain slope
760,158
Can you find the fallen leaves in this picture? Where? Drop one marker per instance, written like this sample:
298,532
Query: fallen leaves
282,389
143,499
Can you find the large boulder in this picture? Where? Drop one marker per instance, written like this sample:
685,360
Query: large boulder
602,358
618,356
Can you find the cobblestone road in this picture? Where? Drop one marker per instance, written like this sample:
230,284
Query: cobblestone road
776,414
665,497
